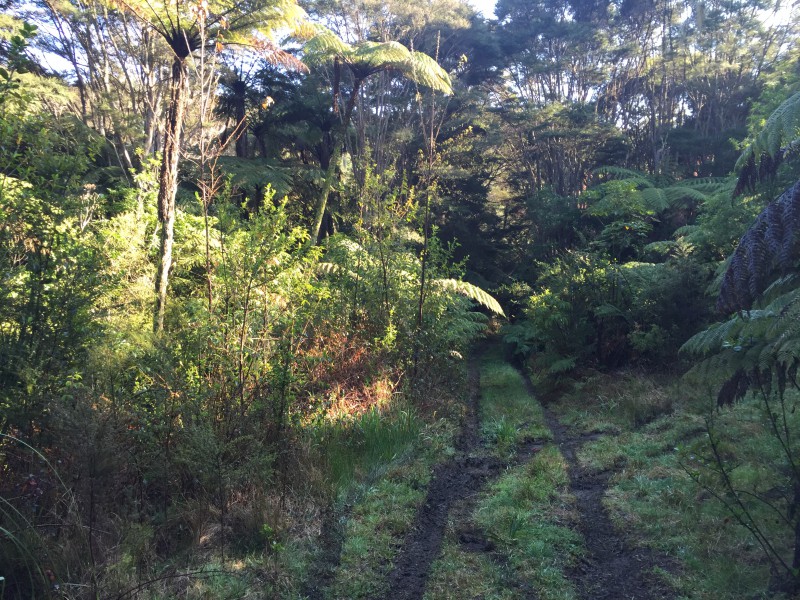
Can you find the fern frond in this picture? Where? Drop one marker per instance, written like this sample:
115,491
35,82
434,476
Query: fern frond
680,193
621,173
781,129
769,245
562,365
380,54
655,198
686,230
763,155
470,291
324,46
424,70
327,268
249,174
709,185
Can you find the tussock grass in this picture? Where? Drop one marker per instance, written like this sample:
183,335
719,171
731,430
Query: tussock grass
615,402
352,448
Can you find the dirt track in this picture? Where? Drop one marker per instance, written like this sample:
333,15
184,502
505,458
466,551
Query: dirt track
613,568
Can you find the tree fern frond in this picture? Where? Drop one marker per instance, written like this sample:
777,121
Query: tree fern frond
680,193
621,173
763,155
325,46
686,230
655,198
328,268
381,54
708,185
470,291
769,245
711,340
424,70
250,174
781,129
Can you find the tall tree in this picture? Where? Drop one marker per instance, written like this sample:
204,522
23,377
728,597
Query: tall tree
187,29
362,61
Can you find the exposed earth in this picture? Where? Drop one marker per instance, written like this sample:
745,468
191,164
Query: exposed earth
614,567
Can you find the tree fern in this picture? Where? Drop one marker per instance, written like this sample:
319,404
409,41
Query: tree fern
472,292
368,57
752,346
764,154
769,245
661,199
609,172
343,250
708,185
249,174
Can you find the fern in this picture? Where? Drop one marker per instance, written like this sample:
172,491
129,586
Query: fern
370,57
622,173
707,185
752,347
766,152
343,250
769,245
249,174
470,291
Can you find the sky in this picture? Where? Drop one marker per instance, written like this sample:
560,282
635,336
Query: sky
484,6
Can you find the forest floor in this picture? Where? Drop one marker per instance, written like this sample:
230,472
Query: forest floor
511,513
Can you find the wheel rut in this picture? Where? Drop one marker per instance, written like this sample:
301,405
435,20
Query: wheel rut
453,493
452,480
613,568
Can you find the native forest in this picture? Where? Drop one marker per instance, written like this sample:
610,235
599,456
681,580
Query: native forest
399,299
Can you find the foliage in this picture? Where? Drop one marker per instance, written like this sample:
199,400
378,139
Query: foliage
564,159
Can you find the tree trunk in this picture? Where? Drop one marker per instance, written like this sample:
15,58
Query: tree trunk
168,186
330,172
241,127
322,199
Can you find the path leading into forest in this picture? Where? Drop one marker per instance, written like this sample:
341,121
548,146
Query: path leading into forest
612,568
454,487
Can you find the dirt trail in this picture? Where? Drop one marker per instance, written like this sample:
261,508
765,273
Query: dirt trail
453,480
613,568
453,492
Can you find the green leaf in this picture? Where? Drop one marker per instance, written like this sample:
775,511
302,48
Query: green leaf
470,291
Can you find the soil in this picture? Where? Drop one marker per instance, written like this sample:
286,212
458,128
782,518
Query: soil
614,566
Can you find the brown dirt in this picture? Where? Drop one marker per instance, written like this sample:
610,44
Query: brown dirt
614,567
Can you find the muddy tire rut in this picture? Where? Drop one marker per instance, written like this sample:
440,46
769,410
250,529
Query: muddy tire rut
458,478
613,568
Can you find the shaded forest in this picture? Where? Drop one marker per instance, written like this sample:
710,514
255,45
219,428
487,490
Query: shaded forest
247,250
